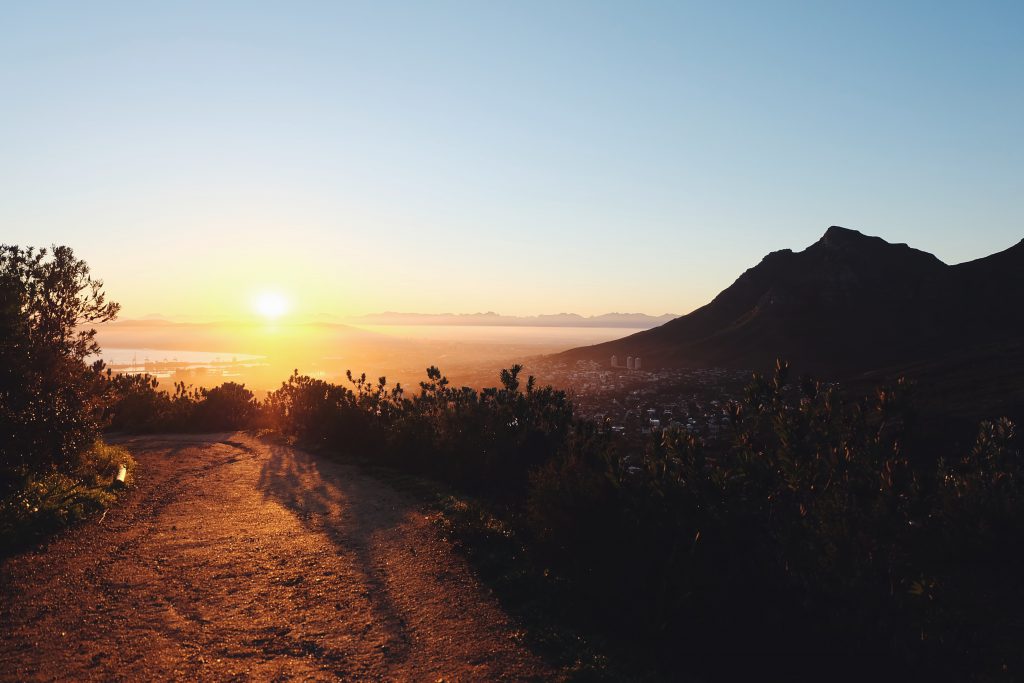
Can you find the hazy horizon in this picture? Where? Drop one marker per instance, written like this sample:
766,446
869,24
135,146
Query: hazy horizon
395,317
263,354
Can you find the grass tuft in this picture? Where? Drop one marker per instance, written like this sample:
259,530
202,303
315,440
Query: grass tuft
48,502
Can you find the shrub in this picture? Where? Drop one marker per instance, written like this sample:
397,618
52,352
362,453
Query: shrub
135,404
42,503
227,407
50,407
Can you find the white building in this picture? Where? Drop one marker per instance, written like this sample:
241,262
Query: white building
636,363
629,362
615,361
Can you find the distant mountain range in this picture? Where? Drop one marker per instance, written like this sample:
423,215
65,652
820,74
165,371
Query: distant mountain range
851,305
634,320
624,320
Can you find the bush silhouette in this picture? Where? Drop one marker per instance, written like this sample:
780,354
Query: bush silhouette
228,406
50,405
811,532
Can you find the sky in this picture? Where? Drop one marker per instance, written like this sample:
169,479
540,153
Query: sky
518,157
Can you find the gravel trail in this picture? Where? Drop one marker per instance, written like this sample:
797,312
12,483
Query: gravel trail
236,559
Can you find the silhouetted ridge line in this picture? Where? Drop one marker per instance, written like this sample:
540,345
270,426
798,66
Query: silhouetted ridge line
848,304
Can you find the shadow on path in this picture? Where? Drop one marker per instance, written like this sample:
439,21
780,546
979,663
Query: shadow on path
353,516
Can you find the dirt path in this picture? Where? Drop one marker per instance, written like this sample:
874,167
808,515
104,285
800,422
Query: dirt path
234,559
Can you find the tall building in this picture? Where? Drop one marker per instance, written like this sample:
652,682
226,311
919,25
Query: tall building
615,361
629,362
636,363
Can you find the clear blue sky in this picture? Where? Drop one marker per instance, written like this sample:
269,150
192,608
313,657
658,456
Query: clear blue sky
518,157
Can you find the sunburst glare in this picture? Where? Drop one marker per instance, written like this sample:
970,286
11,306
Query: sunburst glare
270,304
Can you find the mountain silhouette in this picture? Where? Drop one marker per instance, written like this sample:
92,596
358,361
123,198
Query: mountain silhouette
847,305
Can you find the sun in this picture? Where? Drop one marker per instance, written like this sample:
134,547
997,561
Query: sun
270,305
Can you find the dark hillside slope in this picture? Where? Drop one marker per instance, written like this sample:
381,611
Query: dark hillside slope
990,292
846,306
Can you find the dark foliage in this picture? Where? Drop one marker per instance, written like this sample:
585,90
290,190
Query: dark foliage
229,406
808,537
487,441
135,404
50,407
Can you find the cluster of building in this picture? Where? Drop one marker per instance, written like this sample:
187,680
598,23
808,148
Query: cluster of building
633,402
631,362
705,419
